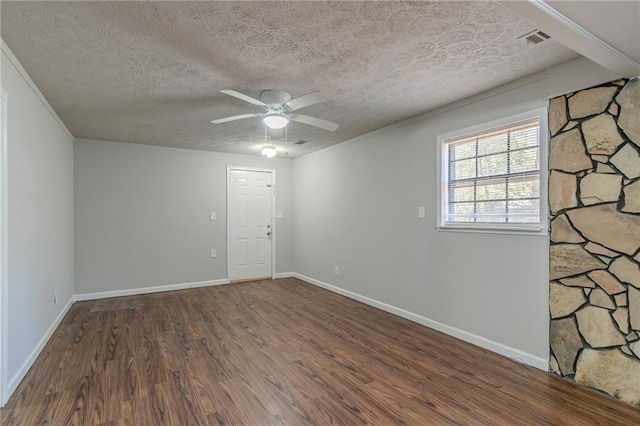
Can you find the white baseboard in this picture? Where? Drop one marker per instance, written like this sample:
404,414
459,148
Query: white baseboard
515,354
17,378
284,275
146,290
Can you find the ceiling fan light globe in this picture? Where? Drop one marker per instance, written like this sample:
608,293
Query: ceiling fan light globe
275,121
269,151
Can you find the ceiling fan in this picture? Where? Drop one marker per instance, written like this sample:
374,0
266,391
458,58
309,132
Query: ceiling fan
279,109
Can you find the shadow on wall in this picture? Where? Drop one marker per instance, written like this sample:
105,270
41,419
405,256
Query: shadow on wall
594,198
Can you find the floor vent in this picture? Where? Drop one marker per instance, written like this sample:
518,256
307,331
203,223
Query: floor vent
535,37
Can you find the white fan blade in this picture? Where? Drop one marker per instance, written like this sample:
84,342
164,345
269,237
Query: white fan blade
316,122
234,118
243,97
306,100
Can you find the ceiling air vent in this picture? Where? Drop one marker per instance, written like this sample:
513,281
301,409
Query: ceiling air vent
535,37
300,142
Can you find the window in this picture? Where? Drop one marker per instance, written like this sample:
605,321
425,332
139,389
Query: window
491,176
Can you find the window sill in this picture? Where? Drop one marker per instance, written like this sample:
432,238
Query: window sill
538,231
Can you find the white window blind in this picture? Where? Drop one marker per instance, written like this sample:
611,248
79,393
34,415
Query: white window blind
494,177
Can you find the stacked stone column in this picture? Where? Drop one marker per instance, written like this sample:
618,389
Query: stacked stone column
594,201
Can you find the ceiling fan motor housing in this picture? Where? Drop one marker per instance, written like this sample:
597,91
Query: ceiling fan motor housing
275,97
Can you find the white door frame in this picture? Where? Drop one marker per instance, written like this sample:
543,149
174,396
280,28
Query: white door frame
273,213
4,300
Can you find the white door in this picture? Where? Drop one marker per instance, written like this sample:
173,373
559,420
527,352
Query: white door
250,206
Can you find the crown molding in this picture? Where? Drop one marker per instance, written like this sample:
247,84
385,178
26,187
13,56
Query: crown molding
25,76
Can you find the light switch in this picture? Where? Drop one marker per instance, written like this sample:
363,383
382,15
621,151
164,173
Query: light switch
421,212
213,215
278,215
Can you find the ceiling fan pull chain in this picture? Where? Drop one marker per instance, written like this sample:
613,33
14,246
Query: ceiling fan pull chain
286,140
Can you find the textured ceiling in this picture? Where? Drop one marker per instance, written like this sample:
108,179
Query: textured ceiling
150,72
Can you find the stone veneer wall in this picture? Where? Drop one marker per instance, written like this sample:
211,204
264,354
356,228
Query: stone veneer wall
594,198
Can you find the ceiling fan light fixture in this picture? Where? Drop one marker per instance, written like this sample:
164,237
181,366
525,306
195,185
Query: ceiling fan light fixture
269,151
275,121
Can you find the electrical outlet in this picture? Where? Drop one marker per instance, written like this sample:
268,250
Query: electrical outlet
214,253
336,270
55,296
213,216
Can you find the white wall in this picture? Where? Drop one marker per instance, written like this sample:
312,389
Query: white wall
356,208
142,215
39,219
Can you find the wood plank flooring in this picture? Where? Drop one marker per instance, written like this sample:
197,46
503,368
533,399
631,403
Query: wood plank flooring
281,353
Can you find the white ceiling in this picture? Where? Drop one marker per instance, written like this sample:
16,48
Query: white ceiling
614,22
150,72
604,31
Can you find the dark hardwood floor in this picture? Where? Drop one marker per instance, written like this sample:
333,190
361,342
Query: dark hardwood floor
281,352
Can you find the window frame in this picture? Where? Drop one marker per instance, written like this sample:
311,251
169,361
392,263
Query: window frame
476,130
